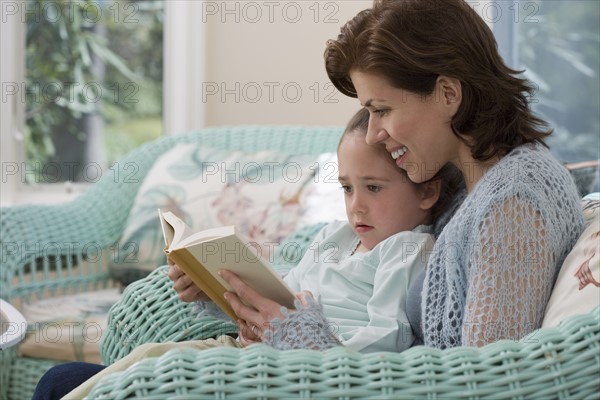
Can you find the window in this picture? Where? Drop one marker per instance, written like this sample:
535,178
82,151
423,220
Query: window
557,43
93,85
183,68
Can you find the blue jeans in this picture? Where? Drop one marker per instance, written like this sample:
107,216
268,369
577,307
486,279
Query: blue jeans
59,380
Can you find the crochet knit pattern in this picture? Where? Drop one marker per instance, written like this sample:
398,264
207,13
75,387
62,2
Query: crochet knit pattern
494,265
306,328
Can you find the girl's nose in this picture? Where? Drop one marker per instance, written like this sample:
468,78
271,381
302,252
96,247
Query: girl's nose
358,205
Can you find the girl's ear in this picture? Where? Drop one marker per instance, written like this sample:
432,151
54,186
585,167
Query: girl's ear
430,193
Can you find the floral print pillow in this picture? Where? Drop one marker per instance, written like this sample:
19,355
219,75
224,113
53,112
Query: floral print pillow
577,288
263,193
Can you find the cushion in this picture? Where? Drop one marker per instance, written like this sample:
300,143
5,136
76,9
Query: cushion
264,194
586,176
577,288
68,328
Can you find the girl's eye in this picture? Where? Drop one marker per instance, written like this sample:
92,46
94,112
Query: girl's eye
374,188
346,188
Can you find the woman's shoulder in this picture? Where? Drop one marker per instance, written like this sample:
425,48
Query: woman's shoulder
528,175
528,169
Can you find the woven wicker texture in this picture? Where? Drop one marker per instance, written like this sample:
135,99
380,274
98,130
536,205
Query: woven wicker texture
561,362
48,250
150,311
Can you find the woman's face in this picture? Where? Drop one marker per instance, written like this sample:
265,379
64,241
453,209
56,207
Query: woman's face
415,129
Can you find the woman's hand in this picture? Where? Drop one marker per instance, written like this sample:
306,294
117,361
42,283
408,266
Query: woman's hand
246,335
255,318
183,285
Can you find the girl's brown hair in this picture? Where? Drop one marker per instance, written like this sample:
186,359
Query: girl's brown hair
450,176
411,42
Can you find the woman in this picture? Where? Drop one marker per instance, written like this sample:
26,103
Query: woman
438,92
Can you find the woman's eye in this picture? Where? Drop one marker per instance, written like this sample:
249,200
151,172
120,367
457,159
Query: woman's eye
380,113
374,188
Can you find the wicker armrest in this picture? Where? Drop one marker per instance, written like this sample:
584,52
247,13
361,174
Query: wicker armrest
558,362
150,311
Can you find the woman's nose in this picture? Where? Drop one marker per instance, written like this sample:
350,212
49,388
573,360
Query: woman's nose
375,134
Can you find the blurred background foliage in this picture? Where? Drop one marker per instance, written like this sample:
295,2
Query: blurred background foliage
93,82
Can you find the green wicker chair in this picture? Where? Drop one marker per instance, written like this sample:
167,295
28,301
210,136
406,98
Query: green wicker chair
34,266
561,362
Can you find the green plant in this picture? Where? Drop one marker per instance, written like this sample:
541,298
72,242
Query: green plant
76,72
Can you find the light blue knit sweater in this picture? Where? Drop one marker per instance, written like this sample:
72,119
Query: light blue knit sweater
493,267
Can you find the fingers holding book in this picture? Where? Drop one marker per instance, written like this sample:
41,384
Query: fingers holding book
255,310
184,286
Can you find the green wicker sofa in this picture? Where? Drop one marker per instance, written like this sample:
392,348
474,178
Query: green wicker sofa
558,362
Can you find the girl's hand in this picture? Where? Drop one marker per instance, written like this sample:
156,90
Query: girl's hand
184,286
259,312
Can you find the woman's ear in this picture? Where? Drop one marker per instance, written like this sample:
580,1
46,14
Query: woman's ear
430,193
450,92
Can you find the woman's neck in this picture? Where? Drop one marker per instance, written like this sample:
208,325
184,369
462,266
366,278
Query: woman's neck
472,169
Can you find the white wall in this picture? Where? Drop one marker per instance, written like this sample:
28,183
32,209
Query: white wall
264,62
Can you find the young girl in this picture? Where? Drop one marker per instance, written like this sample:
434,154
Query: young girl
360,270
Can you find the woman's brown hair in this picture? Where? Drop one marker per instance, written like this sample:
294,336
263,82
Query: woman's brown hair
411,42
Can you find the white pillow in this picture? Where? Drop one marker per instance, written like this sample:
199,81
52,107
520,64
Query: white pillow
323,200
262,193
574,294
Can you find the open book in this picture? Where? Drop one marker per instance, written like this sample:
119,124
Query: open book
202,254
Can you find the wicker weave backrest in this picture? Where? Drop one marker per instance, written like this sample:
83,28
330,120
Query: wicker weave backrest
549,363
65,248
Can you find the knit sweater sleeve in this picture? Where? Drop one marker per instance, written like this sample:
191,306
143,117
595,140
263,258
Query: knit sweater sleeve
304,328
508,285
494,265
524,236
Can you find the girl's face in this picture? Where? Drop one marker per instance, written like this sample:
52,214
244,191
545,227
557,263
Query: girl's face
415,129
380,199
